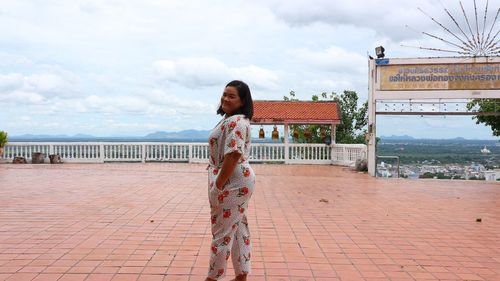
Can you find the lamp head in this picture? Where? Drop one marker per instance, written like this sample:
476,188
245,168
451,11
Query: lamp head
379,51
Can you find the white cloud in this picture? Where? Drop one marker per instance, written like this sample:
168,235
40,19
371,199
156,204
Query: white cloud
140,61
25,118
171,103
382,16
47,83
206,72
11,82
328,85
192,72
11,59
116,104
333,59
130,125
258,77
148,103
22,97
36,88
440,122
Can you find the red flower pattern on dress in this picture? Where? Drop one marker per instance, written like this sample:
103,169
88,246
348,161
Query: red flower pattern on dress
226,213
222,196
246,239
238,133
216,171
214,249
232,125
214,219
220,272
232,143
242,191
227,239
246,172
241,209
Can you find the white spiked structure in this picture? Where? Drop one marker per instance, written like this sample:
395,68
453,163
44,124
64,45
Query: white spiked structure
469,39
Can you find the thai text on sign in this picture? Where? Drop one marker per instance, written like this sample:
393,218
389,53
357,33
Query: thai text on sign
470,76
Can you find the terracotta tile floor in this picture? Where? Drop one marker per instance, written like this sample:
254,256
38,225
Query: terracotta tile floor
150,222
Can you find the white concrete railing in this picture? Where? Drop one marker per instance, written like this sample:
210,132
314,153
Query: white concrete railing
100,152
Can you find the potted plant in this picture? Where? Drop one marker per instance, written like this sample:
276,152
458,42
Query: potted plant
3,140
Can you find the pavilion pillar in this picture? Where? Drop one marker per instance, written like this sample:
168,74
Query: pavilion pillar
333,133
285,141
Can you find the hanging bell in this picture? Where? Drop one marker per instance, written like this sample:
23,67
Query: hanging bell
261,133
295,133
275,134
322,133
307,133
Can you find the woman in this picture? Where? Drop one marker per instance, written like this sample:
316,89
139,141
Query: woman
230,183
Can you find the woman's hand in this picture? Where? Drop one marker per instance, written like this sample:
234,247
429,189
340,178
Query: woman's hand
228,165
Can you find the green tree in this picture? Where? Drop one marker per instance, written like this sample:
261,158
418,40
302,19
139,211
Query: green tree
427,175
353,119
487,105
3,138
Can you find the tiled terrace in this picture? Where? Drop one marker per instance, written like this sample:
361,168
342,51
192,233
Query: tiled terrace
151,222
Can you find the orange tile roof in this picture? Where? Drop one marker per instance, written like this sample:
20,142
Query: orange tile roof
295,112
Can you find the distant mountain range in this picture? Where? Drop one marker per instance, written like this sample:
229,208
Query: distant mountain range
406,137
180,135
393,137
185,135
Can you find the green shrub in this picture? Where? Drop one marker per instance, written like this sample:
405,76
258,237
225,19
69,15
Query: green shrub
3,138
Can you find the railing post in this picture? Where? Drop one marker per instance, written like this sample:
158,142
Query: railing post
331,153
345,155
190,153
101,152
287,152
143,156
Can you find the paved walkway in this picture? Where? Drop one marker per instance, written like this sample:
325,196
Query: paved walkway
151,222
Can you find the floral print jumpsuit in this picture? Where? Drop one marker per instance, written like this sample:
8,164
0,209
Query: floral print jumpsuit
228,205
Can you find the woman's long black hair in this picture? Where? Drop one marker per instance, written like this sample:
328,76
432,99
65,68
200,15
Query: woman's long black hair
245,97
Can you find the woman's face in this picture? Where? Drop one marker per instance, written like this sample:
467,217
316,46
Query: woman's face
230,100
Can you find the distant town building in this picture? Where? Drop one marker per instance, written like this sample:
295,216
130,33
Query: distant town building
485,150
492,175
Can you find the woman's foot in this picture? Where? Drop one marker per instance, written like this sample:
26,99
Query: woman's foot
242,277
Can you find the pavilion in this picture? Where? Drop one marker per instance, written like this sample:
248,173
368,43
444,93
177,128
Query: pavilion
271,112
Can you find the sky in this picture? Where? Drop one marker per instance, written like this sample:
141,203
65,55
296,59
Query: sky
130,67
